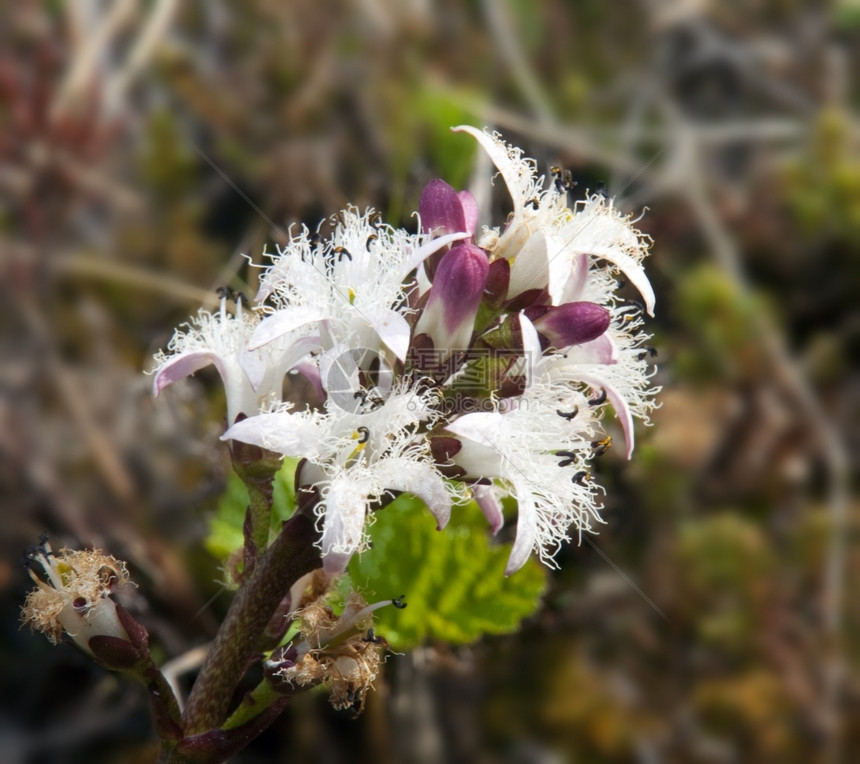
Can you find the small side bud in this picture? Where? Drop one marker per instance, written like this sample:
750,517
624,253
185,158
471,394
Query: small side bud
573,323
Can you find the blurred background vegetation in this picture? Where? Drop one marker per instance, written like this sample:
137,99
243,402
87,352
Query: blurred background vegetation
146,146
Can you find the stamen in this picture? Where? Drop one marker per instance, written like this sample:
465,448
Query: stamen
602,446
570,458
568,415
580,477
562,179
362,434
347,624
599,399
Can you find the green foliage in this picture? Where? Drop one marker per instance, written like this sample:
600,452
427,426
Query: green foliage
727,562
846,15
168,163
720,317
454,579
225,527
822,187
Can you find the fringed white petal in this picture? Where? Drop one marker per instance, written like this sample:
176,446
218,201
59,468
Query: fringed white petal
283,321
419,479
343,523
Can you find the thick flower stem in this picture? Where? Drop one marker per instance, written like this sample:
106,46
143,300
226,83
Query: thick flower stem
292,554
257,468
256,529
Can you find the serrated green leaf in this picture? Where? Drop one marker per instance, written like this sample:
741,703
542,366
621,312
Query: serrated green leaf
453,579
225,527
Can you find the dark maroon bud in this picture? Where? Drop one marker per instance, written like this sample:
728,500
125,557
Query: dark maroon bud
498,280
525,299
443,448
137,634
114,653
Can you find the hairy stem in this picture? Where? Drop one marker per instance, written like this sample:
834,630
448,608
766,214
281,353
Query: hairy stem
292,554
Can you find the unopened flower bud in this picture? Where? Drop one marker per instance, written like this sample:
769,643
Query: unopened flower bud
573,323
441,209
449,316
445,211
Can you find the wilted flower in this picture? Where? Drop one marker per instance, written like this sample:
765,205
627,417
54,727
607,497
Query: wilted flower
340,651
75,598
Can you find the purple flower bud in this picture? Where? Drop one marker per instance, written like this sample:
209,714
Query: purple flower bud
441,209
470,211
572,323
444,211
449,316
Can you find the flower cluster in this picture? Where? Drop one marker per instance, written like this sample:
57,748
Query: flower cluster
449,363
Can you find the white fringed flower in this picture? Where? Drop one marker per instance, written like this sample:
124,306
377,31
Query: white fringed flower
551,246
351,288
354,460
539,455
252,378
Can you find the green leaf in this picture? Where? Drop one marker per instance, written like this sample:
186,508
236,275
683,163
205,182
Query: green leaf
225,528
453,579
